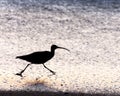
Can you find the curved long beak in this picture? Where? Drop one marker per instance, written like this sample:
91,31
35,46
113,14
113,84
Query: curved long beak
64,48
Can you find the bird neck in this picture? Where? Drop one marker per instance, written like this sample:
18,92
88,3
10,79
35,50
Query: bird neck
53,51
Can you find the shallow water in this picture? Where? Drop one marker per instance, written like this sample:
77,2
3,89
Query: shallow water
90,33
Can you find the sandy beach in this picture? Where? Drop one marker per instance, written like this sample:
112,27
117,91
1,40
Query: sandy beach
90,30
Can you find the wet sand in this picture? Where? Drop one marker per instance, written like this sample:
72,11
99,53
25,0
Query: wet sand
38,93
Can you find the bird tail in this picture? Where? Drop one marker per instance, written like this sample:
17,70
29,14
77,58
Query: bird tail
21,57
17,57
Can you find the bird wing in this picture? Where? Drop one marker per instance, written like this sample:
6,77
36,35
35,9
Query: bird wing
36,57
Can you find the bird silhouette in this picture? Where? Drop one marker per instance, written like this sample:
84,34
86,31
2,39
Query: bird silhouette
40,57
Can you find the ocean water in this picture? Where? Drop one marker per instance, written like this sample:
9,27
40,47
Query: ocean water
37,4
88,28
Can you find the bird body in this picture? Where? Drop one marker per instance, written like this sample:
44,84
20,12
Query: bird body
39,57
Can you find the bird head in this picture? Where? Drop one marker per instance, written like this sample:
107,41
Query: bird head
55,47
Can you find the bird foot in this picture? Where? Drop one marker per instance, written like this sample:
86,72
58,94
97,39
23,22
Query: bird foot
19,74
53,72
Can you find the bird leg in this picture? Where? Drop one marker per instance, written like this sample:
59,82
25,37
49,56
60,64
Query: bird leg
20,74
49,69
